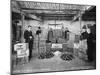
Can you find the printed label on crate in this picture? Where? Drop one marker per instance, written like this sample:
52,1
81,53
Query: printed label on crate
56,46
22,53
22,49
21,46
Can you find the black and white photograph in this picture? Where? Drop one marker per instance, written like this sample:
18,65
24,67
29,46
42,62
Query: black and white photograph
52,37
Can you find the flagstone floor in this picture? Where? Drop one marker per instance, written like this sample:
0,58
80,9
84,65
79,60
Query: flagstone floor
53,64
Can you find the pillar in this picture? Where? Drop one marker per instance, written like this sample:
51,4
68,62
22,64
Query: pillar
22,27
80,20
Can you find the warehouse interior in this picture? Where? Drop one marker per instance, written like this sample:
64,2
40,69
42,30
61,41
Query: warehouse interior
56,17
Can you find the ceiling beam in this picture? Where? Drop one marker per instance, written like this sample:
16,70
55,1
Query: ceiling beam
59,16
90,8
51,9
53,15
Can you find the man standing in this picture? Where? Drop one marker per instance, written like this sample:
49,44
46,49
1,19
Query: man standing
90,45
38,32
29,39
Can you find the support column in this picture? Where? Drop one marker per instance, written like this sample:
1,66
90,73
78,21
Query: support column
80,20
22,27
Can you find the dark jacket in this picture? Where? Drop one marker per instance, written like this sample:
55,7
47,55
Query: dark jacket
27,35
84,35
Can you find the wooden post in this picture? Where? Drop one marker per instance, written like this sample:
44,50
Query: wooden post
22,28
80,19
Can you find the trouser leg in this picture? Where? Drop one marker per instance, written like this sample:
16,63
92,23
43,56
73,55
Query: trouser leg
90,53
30,49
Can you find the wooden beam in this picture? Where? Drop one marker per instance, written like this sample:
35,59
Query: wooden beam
58,15
90,8
55,24
60,18
50,9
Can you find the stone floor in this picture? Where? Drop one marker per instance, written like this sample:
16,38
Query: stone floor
52,64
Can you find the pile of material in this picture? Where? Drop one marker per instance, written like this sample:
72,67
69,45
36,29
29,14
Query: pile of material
57,53
66,57
46,55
